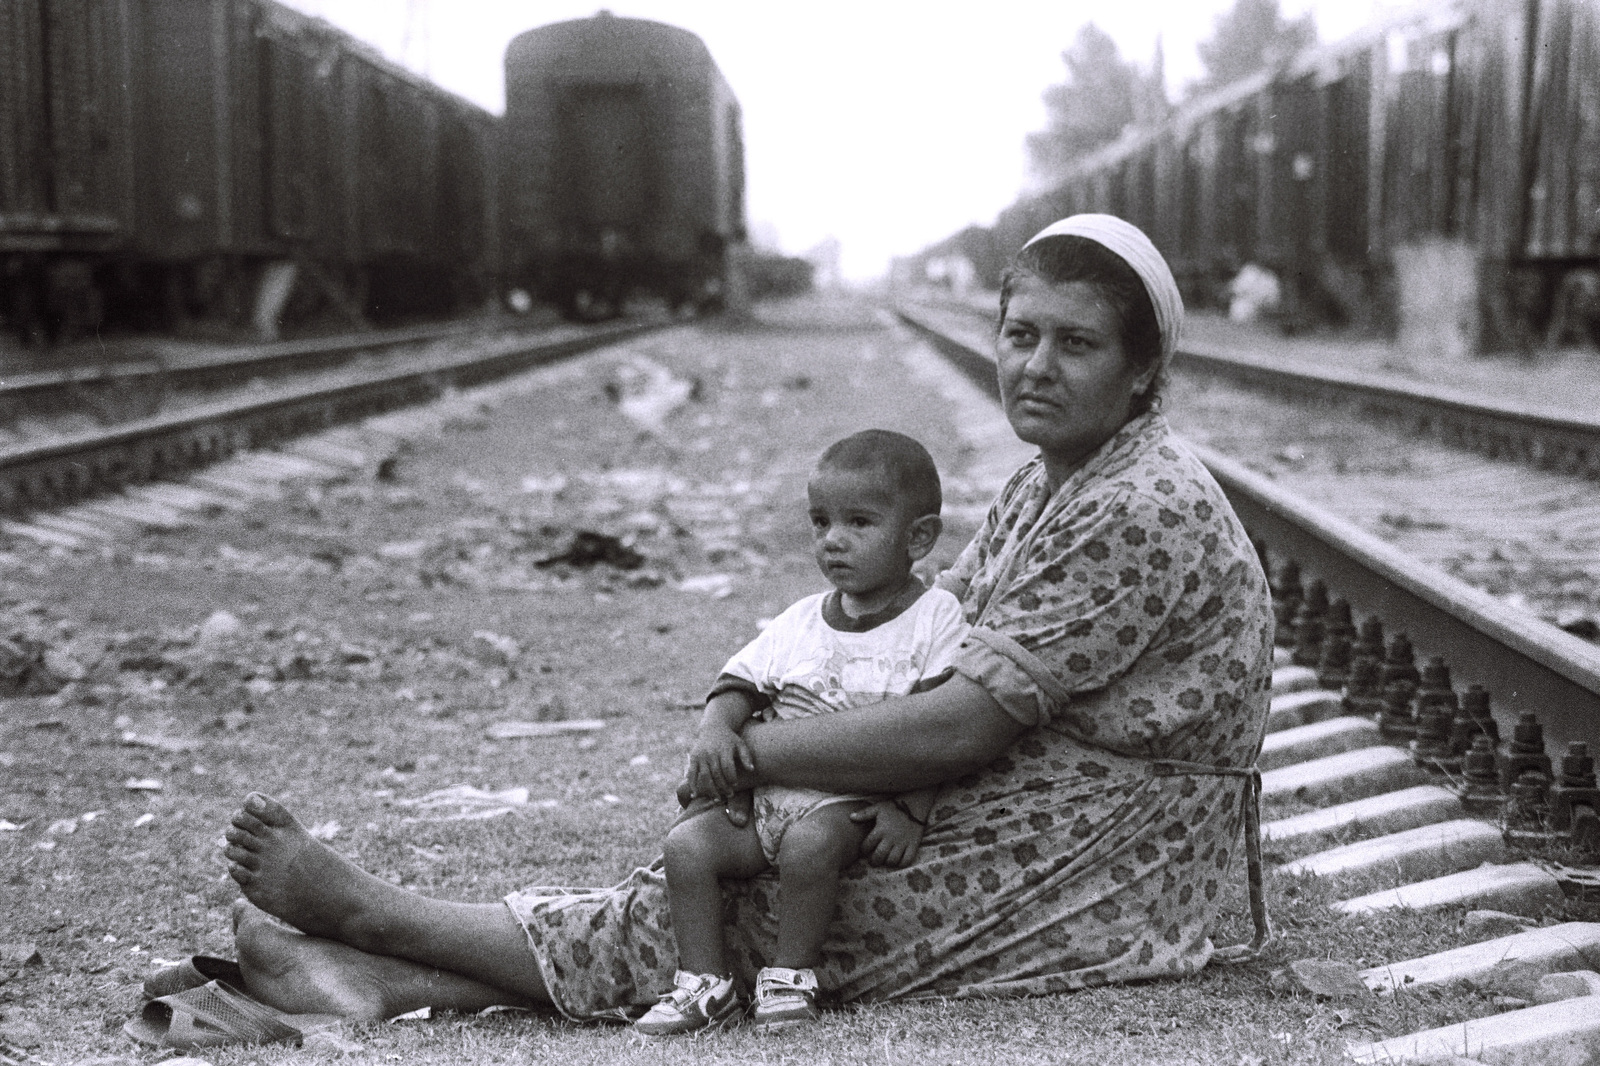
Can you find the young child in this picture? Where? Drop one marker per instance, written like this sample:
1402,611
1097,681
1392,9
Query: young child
875,501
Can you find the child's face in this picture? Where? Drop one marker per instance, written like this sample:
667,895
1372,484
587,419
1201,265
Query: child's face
860,531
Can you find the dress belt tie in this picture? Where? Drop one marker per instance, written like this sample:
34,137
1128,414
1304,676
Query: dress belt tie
1235,953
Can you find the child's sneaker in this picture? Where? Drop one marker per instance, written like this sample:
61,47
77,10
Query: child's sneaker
785,997
699,1001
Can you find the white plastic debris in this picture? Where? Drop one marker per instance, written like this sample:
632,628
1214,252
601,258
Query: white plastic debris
218,627
517,730
464,803
142,784
1253,292
650,393
717,586
403,549
549,486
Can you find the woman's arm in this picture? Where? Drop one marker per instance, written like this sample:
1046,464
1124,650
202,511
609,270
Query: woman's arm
901,744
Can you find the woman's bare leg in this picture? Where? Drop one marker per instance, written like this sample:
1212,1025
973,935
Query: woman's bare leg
300,974
294,877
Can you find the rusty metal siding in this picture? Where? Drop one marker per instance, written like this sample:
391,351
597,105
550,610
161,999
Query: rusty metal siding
63,163
1563,190
1346,167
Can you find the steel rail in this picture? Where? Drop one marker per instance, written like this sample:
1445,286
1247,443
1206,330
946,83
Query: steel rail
39,391
48,474
1565,442
1526,664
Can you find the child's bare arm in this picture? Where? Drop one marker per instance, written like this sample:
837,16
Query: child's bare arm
719,752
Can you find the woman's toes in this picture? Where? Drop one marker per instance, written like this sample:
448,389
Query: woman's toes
246,822
240,875
241,857
242,838
268,810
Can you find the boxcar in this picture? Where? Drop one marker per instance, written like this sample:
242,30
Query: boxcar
1472,126
272,141
623,165
167,161
66,178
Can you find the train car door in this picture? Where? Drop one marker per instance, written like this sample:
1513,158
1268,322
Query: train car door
605,164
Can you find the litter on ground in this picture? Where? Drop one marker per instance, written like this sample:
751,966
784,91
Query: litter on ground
519,730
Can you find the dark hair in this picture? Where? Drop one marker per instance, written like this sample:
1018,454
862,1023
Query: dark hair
1068,258
903,462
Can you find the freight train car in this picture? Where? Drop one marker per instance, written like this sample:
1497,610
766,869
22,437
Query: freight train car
228,161
623,165
66,177
1450,155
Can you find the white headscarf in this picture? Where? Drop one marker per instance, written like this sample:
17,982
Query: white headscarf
1134,248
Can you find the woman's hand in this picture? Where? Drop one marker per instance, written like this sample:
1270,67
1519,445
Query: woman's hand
718,756
894,837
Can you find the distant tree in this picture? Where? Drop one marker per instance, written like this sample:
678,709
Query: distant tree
1091,108
1252,35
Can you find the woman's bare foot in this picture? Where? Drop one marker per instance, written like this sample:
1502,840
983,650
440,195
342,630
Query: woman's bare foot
301,974
291,875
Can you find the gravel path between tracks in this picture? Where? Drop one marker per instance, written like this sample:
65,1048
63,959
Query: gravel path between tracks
377,628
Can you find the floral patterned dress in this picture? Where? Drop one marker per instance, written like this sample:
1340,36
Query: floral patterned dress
1125,620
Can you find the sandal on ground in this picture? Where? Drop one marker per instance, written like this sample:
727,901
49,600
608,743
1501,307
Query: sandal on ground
193,972
217,1013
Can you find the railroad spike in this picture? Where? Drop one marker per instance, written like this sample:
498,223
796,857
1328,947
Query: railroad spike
1363,692
1400,664
1526,751
1435,713
1473,720
1480,789
1369,644
1338,622
1395,722
1308,635
1575,798
1527,806
1287,595
1333,668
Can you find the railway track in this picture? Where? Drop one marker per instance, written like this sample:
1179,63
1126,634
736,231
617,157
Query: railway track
53,472
1437,755
154,374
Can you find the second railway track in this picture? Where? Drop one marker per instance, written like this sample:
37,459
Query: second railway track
62,469
1564,441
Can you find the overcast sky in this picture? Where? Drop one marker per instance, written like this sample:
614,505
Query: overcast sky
886,123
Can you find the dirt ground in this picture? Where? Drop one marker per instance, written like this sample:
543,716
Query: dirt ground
351,647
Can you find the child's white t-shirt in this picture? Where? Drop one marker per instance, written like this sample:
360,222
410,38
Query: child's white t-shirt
807,666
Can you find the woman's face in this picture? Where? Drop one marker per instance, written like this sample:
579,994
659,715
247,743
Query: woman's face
1065,381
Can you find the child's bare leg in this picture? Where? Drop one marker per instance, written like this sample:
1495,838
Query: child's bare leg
699,852
812,853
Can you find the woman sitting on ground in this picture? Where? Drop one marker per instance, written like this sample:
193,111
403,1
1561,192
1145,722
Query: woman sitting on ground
1094,750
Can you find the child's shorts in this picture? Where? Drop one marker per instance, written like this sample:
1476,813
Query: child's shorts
777,807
